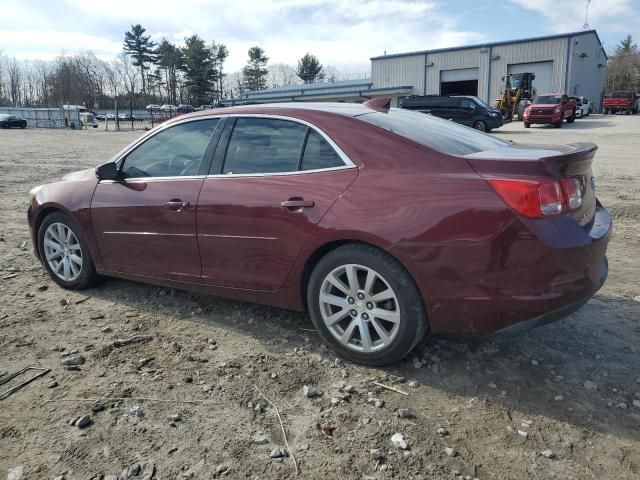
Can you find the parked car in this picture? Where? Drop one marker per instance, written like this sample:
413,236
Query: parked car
583,107
88,119
550,108
127,116
168,108
466,110
204,107
100,116
182,108
110,116
12,121
382,223
623,101
152,108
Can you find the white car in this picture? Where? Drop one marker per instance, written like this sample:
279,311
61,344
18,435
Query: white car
583,108
152,108
167,108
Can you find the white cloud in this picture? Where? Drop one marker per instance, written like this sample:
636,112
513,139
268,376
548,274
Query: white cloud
343,33
620,17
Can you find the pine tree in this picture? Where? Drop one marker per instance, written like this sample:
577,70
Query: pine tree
255,71
141,48
626,46
199,70
309,69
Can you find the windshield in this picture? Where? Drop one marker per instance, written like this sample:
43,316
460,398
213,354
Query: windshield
425,129
621,94
546,100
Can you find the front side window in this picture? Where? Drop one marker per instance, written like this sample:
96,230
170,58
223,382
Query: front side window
174,152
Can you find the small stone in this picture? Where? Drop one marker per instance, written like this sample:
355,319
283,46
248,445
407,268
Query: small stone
376,454
261,441
523,434
83,421
549,454
274,375
622,405
589,385
310,392
106,329
452,452
278,453
53,384
442,431
98,407
73,361
222,468
404,413
636,403
534,363
349,389
376,402
134,470
413,384
417,363
143,361
335,401
398,441
492,385
558,398
175,418
72,422
136,411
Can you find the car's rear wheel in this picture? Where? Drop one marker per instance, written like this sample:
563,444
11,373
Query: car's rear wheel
480,125
365,305
571,118
527,125
64,252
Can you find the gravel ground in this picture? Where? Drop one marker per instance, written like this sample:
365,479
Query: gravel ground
562,401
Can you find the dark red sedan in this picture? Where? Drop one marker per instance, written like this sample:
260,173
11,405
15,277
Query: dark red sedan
383,224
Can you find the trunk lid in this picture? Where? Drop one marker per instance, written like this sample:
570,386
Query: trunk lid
522,161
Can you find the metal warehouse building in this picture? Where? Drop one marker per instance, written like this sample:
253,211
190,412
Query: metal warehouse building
575,63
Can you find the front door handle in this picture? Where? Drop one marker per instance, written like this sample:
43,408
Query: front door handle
177,205
297,204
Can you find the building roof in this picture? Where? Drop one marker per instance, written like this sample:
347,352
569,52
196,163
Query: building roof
360,88
492,44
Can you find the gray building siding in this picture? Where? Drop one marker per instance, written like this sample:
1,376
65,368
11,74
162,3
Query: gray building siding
569,69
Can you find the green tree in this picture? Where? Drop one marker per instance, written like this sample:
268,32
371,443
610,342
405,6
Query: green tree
199,70
141,49
220,54
255,71
310,69
626,46
169,59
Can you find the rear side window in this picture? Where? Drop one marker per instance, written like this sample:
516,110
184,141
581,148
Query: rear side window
264,145
442,135
319,154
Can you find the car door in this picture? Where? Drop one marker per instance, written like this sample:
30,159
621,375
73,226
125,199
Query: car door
145,222
466,111
273,180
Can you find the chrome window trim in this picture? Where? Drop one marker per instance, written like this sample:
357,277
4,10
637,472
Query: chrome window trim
155,179
348,163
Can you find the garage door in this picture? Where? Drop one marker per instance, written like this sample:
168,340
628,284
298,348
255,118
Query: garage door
543,71
463,81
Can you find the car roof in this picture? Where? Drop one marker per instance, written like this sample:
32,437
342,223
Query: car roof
289,108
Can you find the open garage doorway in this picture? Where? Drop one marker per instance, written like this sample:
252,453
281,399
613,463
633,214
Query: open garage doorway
463,81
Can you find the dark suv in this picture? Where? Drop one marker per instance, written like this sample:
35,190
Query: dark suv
467,110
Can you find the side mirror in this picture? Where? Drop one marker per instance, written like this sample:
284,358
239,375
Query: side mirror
107,171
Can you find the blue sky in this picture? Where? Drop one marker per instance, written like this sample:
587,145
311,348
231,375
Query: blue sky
343,33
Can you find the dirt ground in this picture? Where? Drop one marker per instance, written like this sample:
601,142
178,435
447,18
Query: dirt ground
504,403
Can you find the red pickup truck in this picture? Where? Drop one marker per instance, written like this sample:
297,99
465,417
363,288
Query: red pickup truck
550,108
620,102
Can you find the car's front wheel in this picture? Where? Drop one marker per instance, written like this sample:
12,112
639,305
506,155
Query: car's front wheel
64,252
365,305
480,125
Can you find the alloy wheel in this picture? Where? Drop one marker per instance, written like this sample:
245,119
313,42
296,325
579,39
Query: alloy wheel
62,252
359,308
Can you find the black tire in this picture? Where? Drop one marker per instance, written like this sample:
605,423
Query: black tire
605,112
88,275
572,117
23,126
527,125
558,124
480,126
413,323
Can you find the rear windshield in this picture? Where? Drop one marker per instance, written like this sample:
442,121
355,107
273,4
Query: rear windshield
546,100
621,94
442,135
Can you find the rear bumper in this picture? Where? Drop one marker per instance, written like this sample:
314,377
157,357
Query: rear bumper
531,273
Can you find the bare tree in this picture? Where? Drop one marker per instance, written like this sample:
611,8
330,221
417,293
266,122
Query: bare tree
14,73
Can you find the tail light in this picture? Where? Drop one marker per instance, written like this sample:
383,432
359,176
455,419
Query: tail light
539,198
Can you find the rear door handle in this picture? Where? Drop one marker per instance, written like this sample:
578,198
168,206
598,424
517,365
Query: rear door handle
177,204
297,204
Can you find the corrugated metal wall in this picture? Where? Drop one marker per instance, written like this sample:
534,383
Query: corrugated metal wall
392,72
410,69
